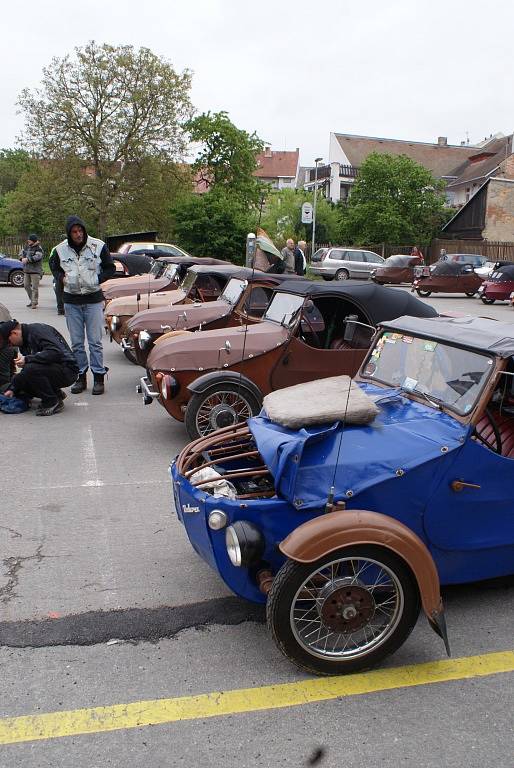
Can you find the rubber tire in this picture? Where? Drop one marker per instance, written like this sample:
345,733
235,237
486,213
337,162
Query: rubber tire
485,300
293,574
423,294
342,274
14,276
470,295
130,356
198,398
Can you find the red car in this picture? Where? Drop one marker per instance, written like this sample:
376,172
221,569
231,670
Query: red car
499,285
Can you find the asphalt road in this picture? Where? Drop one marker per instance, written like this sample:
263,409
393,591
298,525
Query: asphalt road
91,551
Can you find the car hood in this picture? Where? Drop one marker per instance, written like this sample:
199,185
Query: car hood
201,351
129,305
7,262
306,463
151,320
142,285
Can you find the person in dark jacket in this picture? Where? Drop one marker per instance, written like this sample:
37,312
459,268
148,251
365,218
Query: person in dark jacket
83,263
46,361
58,275
32,260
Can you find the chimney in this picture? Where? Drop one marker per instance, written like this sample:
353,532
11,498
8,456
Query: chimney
442,141
267,152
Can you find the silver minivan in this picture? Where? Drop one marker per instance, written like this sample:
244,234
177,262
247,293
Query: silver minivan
343,263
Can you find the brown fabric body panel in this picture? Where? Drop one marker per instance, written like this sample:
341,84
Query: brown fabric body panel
325,534
449,284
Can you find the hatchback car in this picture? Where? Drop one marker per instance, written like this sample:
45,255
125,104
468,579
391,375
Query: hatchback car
475,259
346,530
11,271
344,263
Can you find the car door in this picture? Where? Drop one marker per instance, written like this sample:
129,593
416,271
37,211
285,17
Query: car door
475,520
358,265
373,260
4,271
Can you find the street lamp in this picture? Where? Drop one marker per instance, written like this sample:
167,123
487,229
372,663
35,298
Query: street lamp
317,160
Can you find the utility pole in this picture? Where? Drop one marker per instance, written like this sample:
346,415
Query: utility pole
317,160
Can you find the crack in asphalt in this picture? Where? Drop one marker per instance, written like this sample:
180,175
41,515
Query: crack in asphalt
13,567
132,625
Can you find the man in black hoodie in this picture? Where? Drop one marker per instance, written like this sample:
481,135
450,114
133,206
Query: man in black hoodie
46,361
84,263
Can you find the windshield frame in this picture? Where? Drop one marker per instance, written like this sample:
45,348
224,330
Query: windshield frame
168,268
243,286
423,397
295,314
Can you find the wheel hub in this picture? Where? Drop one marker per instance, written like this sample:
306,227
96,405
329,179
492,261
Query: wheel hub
345,606
222,415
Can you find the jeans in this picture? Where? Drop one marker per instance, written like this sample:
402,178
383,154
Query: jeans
31,285
86,319
44,381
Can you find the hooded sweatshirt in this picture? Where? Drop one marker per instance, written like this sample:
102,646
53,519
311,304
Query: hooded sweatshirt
84,266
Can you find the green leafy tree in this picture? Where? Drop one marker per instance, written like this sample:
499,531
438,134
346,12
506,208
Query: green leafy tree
13,164
212,224
227,155
111,108
282,217
393,200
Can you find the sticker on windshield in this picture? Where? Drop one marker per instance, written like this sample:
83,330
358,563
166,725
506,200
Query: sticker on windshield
409,384
407,339
370,369
430,346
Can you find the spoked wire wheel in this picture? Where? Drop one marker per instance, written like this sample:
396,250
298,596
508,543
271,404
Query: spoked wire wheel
220,406
344,612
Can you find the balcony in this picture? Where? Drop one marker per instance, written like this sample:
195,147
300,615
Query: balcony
324,172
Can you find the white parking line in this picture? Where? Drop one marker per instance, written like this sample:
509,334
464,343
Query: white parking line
89,463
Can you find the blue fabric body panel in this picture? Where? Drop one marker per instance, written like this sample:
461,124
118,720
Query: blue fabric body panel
12,405
306,463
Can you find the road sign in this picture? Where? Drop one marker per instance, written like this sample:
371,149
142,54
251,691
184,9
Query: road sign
306,213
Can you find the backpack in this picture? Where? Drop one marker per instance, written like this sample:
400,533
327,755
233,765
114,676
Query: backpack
12,404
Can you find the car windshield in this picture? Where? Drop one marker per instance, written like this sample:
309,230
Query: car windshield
233,290
170,271
157,268
283,308
447,375
189,281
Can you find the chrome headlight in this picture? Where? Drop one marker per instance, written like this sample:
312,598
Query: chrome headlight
217,519
114,322
244,543
144,339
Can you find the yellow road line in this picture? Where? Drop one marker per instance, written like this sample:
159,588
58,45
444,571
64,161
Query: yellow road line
153,712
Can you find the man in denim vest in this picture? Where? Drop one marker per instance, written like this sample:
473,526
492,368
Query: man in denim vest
84,263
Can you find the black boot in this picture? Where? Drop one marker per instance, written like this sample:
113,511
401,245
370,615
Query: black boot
80,385
98,385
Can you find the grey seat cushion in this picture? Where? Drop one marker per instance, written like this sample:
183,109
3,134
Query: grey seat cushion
320,402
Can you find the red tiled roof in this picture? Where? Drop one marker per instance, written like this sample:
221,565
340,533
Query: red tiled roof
272,165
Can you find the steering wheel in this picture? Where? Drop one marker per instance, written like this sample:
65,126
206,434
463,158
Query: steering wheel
316,338
201,294
497,436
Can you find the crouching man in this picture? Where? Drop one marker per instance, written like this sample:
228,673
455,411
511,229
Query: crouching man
46,361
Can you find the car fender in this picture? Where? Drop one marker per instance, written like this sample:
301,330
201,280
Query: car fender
216,377
327,533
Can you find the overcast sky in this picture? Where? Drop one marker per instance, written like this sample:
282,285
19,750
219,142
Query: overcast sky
295,71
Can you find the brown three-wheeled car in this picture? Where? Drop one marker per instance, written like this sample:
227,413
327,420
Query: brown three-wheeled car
310,330
446,277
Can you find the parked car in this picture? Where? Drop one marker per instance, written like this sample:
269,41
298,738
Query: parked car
244,300
167,275
346,531
344,263
167,248
475,259
216,378
488,268
396,269
499,285
11,271
130,264
200,283
446,277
